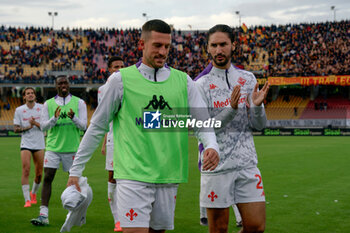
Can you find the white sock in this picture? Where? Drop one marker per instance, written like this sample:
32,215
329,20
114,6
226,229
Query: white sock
112,199
203,212
44,211
35,187
25,189
237,214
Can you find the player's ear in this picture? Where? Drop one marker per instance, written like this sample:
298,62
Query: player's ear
233,46
142,44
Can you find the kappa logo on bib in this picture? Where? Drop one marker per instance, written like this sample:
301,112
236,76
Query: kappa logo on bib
158,104
63,115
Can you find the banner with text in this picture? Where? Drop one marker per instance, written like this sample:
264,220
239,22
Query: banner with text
336,80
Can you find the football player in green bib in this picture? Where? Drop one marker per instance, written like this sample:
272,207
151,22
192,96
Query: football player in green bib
63,117
149,162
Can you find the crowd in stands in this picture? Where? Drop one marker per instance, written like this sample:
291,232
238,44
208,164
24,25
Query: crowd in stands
304,49
314,49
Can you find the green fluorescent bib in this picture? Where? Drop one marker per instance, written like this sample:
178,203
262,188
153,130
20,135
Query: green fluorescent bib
64,137
157,156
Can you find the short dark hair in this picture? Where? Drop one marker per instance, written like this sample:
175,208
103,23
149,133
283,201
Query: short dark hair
61,76
156,25
222,28
112,59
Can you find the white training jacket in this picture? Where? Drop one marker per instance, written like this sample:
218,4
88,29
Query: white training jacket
76,203
109,141
235,138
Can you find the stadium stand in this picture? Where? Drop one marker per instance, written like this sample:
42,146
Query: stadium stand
286,107
6,115
335,107
35,55
288,50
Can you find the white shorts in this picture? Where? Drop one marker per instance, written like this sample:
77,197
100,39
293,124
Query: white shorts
109,157
146,205
225,189
53,160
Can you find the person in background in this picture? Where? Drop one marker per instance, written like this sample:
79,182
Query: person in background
26,122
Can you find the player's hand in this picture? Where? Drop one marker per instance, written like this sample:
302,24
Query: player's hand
210,159
71,114
57,112
103,149
259,96
74,180
236,94
32,121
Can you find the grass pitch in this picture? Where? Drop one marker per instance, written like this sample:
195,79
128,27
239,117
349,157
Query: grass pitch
306,181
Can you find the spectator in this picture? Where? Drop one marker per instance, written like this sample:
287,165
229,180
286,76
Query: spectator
307,49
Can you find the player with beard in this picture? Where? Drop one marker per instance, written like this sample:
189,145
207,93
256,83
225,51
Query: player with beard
26,121
232,96
148,166
63,117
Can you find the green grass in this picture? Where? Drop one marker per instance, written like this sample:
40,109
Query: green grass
303,176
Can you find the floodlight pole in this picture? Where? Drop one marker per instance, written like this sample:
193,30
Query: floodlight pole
334,10
146,16
53,14
239,17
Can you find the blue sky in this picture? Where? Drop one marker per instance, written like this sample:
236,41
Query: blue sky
182,14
